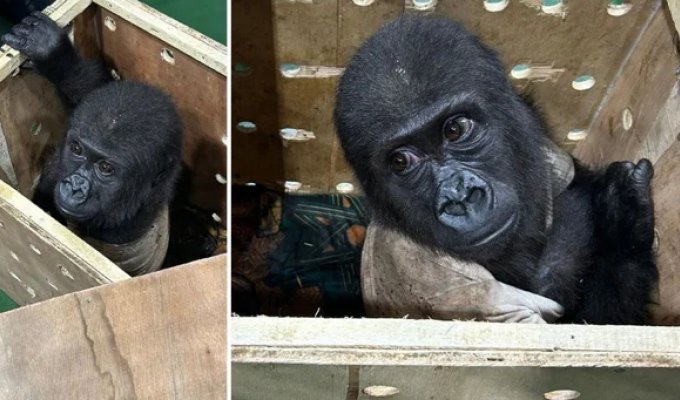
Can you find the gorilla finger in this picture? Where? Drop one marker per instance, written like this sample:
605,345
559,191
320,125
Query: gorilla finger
21,30
16,42
30,21
643,172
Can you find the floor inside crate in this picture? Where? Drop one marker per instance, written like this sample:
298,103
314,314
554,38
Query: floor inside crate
296,255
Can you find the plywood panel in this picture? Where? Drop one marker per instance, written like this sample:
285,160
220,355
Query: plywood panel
198,91
313,382
454,343
160,336
641,87
257,156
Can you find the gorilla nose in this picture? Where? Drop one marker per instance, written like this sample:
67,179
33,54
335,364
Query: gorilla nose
462,194
78,187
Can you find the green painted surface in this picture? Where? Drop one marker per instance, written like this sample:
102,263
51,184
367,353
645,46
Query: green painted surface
6,303
208,17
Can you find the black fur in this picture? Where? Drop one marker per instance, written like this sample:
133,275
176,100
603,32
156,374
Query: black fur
482,196
130,126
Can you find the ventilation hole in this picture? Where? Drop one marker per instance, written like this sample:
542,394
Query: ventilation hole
583,82
577,134
562,395
292,186
168,56
495,5
110,23
380,391
65,271
35,249
290,70
520,71
14,256
36,127
627,119
221,179
216,217
363,3
242,69
344,187
246,127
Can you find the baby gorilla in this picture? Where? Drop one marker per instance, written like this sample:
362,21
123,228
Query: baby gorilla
114,175
451,156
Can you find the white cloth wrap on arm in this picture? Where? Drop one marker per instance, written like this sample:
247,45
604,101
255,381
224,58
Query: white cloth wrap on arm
401,278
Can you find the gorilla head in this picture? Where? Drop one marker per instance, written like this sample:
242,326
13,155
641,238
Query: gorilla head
443,147
122,153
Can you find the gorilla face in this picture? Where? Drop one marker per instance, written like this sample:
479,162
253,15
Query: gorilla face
443,147
121,153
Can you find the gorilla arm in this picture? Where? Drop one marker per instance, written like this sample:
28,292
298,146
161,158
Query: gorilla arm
48,46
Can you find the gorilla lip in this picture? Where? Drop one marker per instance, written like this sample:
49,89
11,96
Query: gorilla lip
497,232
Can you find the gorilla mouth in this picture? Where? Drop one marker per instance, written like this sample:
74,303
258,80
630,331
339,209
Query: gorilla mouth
71,214
498,232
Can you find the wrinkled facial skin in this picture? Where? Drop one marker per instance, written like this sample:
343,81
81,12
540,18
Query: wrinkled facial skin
445,151
90,181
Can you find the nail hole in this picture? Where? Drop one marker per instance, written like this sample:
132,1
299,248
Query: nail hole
110,23
9,55
167,56
627,119
344,187
246,127
380,391
562,395
35,249
36,128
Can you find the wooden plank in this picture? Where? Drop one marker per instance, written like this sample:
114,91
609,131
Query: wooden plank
33,121
198,91
666,193
160,336
313,382
258,155
62,11
192,43
449,343
40,258
643,83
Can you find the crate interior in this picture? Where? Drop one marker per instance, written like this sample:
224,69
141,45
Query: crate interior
298,229
33,121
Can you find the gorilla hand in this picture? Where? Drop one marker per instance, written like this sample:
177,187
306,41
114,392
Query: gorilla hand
38,37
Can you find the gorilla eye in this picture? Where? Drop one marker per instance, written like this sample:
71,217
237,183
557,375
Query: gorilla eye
400,161
456,127
105,168
76,148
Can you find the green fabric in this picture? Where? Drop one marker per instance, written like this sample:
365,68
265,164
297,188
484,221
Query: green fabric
207,17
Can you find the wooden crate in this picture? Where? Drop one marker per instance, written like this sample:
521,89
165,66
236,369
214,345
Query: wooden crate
40,258
157,336
633,59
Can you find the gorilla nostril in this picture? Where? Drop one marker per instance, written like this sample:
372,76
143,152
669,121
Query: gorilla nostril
475,196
